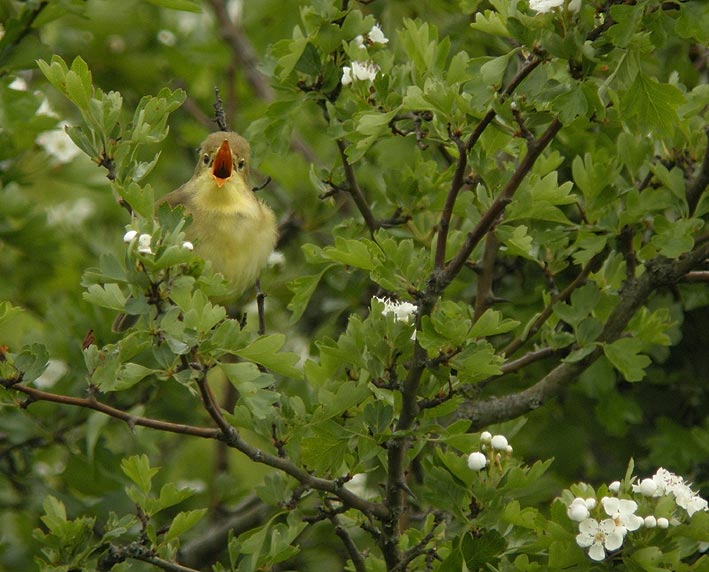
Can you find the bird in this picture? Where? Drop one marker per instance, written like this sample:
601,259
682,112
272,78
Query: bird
231,227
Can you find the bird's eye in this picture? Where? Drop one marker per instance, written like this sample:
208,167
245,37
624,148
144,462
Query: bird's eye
205,158
241,164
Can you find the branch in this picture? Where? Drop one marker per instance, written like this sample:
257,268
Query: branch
484,295
248,514
489,218
522,73
355,191
341,532
699,185
246,59
564,295
659,272
228,434
456,184
132,420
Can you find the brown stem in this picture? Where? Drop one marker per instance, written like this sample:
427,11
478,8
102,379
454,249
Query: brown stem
355,191
659,272
534,150
484,295
699,185
132,420
456,184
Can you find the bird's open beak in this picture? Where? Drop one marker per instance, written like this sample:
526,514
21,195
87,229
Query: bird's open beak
223,164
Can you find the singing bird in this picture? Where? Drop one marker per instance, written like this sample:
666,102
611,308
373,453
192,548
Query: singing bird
230,226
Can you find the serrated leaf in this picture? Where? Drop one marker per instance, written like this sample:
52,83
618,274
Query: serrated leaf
265,350
492,323
183,522
651,105
137,469
351,252
107,296
303,289
625,356
325,450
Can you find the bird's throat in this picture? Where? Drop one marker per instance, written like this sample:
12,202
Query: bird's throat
223,164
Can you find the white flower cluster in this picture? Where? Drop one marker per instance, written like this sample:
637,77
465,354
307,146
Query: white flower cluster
402,311
492,447
543,6
609,533
364,70
359,71
374,36
145,240
666,483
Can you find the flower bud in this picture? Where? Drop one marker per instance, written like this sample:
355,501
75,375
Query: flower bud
477,461
499,442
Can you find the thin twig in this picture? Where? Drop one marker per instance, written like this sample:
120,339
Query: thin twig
699,185
591,266
355,191
456,184
132,420
659,272
484,294
487,221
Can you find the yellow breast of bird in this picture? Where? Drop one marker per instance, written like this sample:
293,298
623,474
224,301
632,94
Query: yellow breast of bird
235,231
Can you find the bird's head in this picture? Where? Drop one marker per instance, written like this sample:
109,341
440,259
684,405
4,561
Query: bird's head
223,156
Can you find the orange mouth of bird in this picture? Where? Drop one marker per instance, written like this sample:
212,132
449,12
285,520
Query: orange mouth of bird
223,163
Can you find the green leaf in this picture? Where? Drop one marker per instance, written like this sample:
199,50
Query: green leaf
651,105
265,350
31,362
184,5
625,356
137,469
183,522
303,289
492,323
357,253
325,450
108,296
571,105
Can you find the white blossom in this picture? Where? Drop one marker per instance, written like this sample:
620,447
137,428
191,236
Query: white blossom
402,311
485,437
359,71
622,513
187,245
543,6
276,258
477,461
614,487
71,213
130,235
590,503
144,241
18,84
662,522
577,510
667,483
167,38
599,537
650,521
58,144
376,36
499,442
646,487
45,109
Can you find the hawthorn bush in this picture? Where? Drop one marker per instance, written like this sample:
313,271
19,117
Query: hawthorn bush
484,321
